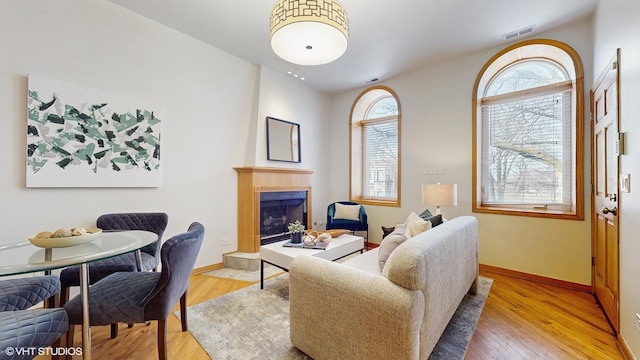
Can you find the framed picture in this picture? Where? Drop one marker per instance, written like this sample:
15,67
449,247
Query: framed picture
83,137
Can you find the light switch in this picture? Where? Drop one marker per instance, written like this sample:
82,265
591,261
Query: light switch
625,183
428,171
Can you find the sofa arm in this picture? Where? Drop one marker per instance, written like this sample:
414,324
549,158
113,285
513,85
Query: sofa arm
340,312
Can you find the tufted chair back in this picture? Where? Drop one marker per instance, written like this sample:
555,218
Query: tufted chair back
155,222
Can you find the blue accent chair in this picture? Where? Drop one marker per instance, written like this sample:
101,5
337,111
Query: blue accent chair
353,225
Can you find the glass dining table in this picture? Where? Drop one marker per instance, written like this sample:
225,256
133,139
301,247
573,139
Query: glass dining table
22,257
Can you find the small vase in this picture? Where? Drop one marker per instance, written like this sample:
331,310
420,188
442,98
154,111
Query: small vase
296,238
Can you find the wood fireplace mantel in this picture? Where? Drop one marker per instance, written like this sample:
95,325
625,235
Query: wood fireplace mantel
252,181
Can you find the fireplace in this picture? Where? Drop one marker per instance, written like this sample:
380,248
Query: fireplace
277,210
290,187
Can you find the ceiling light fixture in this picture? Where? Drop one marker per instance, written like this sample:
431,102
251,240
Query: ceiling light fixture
309,32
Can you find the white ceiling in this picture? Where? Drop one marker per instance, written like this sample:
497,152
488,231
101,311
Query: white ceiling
386,38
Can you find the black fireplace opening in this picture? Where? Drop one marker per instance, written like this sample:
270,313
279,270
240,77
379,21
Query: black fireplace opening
277,210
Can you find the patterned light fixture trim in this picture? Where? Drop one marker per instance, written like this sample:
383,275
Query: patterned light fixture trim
309,32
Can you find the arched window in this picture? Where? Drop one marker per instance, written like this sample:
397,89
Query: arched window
375,148
528,132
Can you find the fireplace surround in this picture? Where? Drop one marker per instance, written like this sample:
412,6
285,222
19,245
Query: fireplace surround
287,185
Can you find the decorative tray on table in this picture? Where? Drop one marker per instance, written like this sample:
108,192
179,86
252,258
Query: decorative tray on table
64,237
308,245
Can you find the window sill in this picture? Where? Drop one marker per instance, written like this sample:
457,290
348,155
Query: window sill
376,202
549,214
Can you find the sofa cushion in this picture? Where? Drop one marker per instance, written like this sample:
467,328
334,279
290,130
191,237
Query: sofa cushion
367,262
416,225
347,212
390,243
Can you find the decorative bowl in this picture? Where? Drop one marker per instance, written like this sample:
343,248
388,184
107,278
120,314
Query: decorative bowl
60,242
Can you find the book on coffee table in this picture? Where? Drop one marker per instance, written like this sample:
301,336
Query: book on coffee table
318,245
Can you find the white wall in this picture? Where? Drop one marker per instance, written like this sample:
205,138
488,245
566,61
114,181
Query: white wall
287,98
209,116
436,133
616,26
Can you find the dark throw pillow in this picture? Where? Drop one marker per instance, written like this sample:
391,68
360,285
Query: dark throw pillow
387,230
435,220
425,214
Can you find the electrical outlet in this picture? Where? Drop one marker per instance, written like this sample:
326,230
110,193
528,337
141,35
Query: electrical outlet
225,241
438,171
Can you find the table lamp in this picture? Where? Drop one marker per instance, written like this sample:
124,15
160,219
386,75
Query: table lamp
440,195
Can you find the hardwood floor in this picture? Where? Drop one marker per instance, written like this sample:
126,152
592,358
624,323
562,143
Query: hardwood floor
521,320
527,320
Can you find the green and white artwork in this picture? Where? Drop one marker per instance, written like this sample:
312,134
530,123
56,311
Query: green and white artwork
83,137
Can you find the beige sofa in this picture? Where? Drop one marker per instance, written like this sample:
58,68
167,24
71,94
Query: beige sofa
353,310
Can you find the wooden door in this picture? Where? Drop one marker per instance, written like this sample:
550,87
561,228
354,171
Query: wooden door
605,211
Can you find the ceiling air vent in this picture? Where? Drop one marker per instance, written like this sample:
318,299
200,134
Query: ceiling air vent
517,33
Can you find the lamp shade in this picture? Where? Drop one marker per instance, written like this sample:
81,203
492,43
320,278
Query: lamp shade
440,194
309,32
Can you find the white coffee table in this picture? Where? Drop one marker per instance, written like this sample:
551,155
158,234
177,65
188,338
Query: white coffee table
281,256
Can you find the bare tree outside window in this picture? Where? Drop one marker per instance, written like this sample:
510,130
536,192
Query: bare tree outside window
527,134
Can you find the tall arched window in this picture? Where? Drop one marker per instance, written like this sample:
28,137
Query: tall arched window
528,136
375,148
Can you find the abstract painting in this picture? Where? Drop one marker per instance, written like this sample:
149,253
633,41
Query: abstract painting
83,137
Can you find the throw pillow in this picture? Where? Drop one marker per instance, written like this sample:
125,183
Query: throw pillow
347,212
390,243
425,214
386,231
435,220
416,225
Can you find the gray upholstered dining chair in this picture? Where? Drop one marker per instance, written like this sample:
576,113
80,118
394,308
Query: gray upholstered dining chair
153,221
22,328
135,297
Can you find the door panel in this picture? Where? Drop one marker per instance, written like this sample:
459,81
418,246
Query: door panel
605,176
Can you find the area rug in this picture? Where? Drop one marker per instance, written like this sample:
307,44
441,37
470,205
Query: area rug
254,324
